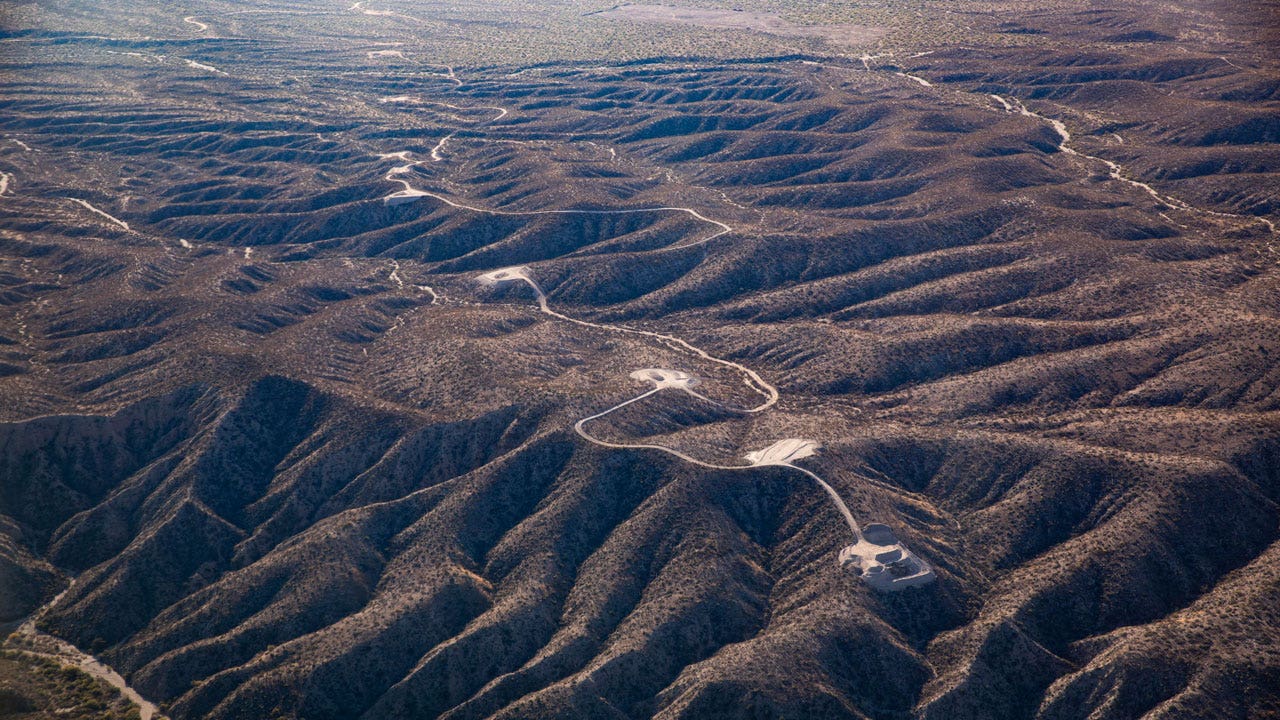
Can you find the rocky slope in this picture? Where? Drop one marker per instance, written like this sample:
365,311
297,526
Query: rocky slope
300,463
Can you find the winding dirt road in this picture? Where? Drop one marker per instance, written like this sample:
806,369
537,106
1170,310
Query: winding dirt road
782,453
410,194
750,377
1116,171
30,640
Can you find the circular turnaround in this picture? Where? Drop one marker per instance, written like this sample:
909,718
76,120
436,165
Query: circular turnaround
664,378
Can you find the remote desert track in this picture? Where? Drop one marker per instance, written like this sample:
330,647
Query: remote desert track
409,360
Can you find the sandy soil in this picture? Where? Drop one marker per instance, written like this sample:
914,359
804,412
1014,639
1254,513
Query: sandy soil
743,20
28,638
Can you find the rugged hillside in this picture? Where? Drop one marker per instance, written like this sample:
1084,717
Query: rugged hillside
290,455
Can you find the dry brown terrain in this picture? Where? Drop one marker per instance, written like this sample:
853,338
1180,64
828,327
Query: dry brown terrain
740,19
296,461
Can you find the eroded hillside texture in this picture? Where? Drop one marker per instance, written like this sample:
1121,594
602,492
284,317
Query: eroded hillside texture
290,448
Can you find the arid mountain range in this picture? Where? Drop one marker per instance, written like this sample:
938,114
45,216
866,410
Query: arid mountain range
276,442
